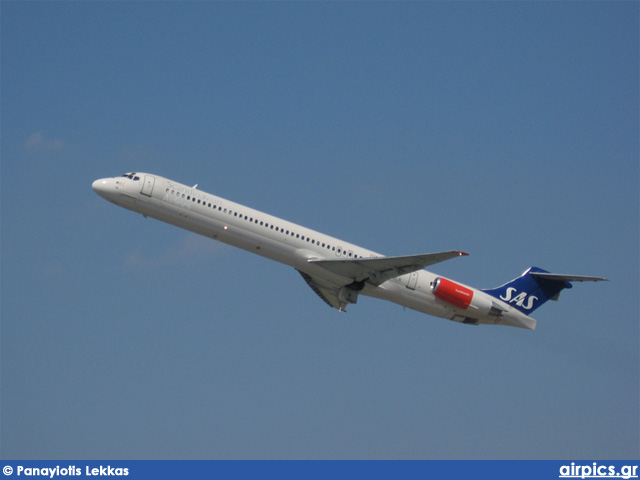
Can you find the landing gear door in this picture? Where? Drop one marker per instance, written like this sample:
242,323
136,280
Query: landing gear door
147,186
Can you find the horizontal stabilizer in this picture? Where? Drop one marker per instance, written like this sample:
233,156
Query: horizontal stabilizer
378,270
554,277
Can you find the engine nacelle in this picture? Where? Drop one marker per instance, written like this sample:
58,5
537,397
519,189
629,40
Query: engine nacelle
475,304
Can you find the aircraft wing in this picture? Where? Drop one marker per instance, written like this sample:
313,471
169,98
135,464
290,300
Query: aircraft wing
378,270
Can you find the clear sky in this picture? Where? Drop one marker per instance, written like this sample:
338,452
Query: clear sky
505,129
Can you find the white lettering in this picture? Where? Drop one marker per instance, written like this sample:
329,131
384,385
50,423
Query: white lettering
529,304
509,292
107,471
519,299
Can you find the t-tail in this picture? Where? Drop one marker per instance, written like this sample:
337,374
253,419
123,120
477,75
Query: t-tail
534,287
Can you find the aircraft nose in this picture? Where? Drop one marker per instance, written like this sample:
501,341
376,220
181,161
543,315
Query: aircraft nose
102,186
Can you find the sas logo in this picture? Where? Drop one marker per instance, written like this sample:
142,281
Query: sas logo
519,299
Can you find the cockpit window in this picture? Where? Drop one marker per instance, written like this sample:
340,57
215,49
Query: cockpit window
131,176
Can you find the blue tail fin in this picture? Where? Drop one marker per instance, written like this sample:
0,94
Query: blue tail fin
533,288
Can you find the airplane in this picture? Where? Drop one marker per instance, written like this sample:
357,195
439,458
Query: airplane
337,271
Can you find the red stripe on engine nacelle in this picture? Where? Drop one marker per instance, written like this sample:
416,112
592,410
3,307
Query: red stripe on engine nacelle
452,293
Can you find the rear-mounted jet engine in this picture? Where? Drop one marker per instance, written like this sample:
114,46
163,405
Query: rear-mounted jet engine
476,304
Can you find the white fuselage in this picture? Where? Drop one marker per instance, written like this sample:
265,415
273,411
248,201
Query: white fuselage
282,241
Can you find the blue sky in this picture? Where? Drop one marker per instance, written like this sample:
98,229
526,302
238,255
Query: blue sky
505,129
